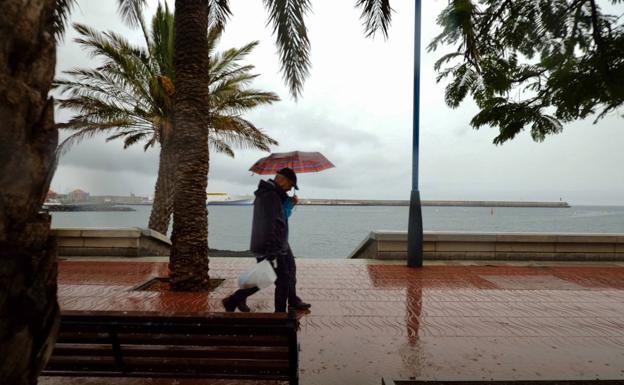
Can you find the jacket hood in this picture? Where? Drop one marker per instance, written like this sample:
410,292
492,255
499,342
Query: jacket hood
269,186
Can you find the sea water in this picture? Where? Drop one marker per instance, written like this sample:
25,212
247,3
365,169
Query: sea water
335,231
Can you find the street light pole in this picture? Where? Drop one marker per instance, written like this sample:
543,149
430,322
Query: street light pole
415,226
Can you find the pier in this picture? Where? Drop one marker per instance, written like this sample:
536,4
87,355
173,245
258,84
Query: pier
371,202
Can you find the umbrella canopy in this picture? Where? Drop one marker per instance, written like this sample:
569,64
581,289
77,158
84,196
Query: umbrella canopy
299,161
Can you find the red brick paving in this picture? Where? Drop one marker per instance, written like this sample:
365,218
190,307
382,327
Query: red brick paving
438,322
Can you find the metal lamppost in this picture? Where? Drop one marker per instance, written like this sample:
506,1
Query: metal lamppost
415,226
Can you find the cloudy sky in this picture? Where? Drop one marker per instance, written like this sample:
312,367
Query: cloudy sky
357,110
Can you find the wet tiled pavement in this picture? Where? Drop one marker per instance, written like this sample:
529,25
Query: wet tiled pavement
445,322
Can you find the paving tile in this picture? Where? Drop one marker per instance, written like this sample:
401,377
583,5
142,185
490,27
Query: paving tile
446,322
531,282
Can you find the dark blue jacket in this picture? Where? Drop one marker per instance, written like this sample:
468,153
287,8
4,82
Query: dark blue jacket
269,234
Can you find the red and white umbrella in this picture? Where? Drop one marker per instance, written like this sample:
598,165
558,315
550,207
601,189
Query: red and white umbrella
299,161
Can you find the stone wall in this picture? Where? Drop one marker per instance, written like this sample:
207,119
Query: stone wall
130,242
496,246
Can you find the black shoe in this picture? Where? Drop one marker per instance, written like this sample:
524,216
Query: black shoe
242,306
228,305
301,306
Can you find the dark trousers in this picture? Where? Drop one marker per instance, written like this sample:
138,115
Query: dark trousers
285,284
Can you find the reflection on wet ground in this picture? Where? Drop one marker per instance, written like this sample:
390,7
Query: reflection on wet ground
372,320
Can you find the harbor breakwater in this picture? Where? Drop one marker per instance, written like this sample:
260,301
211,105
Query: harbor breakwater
363,202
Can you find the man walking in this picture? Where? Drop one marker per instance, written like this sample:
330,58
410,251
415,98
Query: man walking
269,239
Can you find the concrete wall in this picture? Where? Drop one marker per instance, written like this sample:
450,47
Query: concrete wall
130,242
496,246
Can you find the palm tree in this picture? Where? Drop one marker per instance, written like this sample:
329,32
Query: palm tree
29,311
131,97
189,252
190,237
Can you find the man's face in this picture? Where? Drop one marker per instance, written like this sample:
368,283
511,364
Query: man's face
285,183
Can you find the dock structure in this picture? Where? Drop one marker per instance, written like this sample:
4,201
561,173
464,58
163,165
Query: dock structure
385,202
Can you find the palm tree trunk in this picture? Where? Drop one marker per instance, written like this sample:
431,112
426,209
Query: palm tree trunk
162,208
29,312
189,252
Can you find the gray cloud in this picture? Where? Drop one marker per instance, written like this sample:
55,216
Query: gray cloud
96,154
356,110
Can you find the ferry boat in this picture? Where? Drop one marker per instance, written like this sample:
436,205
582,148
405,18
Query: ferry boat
225,199
51,203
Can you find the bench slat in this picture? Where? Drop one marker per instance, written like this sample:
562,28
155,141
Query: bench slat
252,376
81,362
168,364
178,319
205,364
279,352
177,339
184,329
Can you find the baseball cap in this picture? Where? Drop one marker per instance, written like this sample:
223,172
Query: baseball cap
290,174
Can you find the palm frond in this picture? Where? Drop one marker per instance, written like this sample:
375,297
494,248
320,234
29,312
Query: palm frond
241,73
214,35
97,84
230,83
123,134
220,146
87,131
218,13
227,63
100,109
161,48
240,101
62,9
240,133
87,106
131,12
123,61
122,124
377,15
150,143
287,17
110,46
132,139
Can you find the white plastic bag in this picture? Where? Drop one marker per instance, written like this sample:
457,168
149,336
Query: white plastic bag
261,275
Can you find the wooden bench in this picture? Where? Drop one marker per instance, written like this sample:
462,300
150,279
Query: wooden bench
211,345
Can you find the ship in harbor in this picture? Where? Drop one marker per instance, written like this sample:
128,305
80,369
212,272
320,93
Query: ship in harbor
225,199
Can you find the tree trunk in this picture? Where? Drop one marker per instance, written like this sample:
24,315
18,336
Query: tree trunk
189,251
162,208
29,312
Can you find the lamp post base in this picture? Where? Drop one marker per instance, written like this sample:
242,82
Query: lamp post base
415,232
